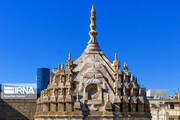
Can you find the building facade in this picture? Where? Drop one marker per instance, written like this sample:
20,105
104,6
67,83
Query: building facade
93,88
42,81
158,93
165,109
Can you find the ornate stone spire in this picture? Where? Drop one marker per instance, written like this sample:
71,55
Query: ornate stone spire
62,67
132,78
100,85
69,63
135,79
115,56
125,66
116,63
69,56
93,46
59,66
126,70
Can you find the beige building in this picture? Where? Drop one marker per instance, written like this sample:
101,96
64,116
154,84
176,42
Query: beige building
165,109
93,88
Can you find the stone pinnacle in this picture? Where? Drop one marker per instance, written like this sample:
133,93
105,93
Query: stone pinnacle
93,46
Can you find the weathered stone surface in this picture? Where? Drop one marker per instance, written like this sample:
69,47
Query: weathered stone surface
93,88
165,109
17,109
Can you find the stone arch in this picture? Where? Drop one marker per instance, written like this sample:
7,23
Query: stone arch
93,89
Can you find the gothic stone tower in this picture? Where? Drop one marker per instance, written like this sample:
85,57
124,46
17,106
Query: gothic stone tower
93,88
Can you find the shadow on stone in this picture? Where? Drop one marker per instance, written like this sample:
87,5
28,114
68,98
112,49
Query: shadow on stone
7,112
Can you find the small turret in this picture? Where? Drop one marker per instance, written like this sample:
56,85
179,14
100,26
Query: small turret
62,67
125,66
126,72
59,66
69,63
136,80
116,63
132,78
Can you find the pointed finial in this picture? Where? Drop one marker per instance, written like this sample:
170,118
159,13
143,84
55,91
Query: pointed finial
132,78
93,46
59,66
116,63
62,67
115,56
93,32
136,80
69,56
125,66
93,7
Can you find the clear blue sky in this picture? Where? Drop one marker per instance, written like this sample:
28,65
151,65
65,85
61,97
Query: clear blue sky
41,33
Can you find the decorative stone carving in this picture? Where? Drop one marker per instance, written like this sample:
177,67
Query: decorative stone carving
93,81
93,88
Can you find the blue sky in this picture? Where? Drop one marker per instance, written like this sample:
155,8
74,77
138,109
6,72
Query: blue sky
144,33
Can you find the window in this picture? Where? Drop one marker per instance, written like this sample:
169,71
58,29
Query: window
171,106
